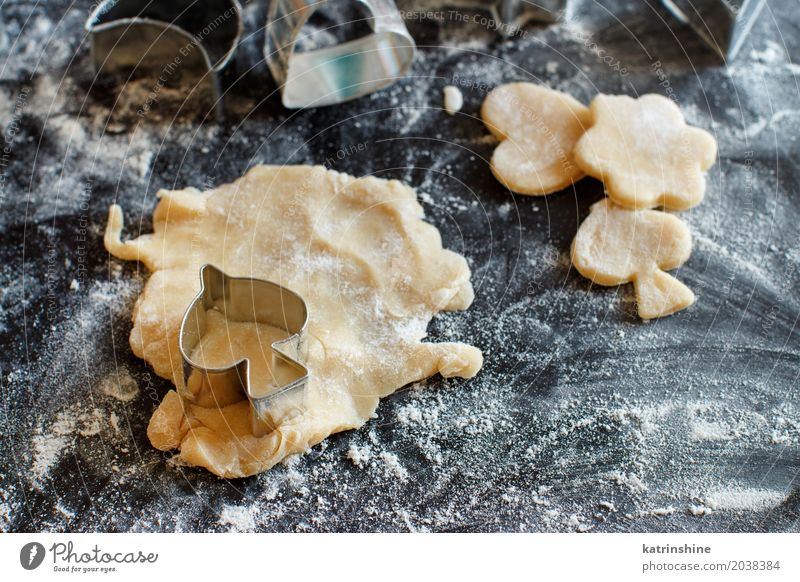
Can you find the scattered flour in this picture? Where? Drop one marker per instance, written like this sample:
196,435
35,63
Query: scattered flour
702,430
52,441
237,518
631,481
393,467
120,385
661,511
360,456
741,499
49,444
699,510
471,441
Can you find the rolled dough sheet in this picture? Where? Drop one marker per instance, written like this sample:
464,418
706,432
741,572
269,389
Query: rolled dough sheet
371,271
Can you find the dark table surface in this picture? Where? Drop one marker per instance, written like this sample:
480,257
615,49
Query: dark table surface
583,418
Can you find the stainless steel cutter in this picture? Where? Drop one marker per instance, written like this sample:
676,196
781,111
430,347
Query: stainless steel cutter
259,301
722,24
337,73
166,39
515,13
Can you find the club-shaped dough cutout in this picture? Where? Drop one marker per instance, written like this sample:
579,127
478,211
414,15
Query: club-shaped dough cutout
538,129
645,153
617,245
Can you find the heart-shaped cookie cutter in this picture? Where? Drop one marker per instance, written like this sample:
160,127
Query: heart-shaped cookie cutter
258,301
163,37
337,73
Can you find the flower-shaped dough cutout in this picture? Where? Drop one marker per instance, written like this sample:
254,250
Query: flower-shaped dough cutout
538,129
645,153
617,245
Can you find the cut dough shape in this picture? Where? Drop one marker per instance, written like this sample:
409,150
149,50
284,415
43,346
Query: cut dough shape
617,245
371,271
645,153
538,128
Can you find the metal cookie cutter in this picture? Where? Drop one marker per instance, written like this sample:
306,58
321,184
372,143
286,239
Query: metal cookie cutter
164,37
722,24
515,13
338,73
259,301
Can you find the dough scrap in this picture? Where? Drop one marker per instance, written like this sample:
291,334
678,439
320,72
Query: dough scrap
371,271
617,245
538,128
645,153
453,99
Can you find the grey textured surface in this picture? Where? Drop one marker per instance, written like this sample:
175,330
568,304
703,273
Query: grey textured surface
584,418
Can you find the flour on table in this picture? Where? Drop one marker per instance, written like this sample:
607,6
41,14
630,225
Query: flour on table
121,385
575,391
743,499
237,518
53,441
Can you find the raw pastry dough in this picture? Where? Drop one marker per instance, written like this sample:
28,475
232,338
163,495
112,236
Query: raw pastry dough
616,245
645,153
539,128
371,271
453,99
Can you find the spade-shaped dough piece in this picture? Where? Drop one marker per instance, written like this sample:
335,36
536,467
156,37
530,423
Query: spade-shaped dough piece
538,129
617,245
645,153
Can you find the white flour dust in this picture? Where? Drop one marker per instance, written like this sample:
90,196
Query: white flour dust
675,448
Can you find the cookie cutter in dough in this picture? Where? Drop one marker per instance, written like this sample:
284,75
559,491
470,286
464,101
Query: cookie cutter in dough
251,300
337,73
722,24
166,38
